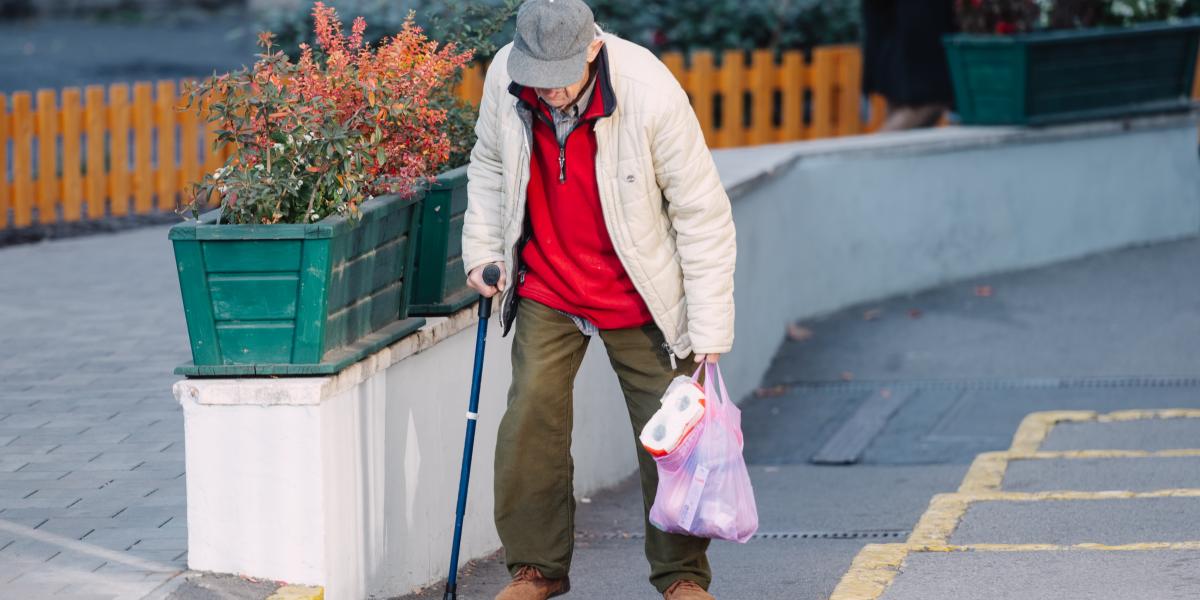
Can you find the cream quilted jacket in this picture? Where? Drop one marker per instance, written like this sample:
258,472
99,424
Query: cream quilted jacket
668,216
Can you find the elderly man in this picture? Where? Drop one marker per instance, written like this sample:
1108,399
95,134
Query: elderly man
591,187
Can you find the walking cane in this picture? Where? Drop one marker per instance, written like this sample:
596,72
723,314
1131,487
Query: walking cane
491,276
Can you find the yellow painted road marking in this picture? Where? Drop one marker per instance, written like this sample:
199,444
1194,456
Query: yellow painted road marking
877,565
298,592
873,569
987,471
1137,415
1036,426
947,510
940,520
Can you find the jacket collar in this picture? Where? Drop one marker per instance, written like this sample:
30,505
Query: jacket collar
604,99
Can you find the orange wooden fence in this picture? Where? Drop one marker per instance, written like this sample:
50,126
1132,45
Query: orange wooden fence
748,98
124,149
97,152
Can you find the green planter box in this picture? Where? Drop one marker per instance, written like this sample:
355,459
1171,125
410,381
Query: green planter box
440,285
1060,76
296,299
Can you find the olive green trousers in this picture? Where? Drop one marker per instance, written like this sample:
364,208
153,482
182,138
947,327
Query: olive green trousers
535,503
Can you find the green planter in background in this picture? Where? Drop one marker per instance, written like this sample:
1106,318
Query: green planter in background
296,299
1059,76
440,285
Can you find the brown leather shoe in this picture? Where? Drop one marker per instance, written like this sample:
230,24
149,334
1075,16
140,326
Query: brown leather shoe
529,584
686,590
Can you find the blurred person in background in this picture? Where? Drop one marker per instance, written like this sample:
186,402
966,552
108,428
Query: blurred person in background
904,61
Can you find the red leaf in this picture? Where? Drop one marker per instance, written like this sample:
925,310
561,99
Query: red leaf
770,392
798,333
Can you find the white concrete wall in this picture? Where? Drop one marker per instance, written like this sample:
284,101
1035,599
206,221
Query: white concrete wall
350,482
398,442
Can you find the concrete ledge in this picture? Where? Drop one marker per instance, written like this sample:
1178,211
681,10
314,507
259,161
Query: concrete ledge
298,391
744,169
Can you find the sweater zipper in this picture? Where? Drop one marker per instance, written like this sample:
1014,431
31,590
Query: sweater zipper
562,163
670,355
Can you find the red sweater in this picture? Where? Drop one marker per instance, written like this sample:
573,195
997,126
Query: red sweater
570,261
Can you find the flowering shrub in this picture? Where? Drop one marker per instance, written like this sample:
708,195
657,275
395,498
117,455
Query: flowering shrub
1018,16
481,26
319,135
1002,17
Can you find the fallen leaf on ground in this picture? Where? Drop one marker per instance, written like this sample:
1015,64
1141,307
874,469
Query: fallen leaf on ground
798,333
886,393
847,376
770,392
915,313
983,291
872,314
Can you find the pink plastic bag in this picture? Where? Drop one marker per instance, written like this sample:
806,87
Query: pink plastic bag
703,486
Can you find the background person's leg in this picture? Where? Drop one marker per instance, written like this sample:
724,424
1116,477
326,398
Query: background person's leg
535,506
645,371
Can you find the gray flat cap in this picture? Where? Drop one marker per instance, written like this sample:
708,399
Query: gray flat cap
550,49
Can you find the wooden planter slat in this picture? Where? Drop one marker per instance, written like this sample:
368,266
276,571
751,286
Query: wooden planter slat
296,299
441,284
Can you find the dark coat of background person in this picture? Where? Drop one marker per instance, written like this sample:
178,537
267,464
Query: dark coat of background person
903,58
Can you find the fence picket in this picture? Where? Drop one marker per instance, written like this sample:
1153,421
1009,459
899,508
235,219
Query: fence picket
878,113
1196,81
118,169
762,89
47,156
143,127
22,128
733,86
72,157
189,149
824,65
471,86
675,64
5,194
165,167
96,124
849,99
791,88
702,86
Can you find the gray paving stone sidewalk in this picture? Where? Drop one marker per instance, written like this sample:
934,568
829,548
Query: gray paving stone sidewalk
92,499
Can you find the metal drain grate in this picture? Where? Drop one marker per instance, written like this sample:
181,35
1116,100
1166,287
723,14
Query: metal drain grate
890,534
1000,384
871,534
